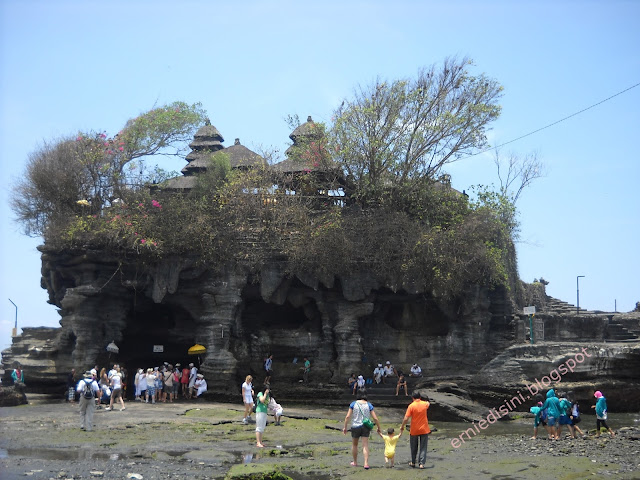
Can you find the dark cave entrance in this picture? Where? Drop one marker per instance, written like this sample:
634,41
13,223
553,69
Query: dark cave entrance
289,332
156,333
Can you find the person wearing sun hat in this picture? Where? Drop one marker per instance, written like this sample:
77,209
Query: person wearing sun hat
601,413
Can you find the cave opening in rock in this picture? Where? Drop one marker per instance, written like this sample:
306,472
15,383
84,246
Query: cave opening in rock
289,332
156,333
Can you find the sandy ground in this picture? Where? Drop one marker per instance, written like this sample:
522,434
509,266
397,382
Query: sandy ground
199,440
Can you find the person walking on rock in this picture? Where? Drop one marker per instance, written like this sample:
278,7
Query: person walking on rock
360,412
419,431
88,390
601,413
262,404
247,398
552,406
268,369
116,390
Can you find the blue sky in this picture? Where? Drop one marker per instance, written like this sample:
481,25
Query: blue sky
67,66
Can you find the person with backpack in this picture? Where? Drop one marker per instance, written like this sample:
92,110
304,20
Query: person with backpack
87,388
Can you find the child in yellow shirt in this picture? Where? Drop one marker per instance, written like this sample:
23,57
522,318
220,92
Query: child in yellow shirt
390,442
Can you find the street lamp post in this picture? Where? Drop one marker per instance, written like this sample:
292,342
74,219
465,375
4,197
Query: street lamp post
578,293
15,328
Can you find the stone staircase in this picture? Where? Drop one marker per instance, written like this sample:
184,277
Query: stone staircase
384,394
616,332
560,307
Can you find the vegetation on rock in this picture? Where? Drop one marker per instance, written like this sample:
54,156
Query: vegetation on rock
371,195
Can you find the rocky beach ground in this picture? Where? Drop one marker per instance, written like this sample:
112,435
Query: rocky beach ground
203,440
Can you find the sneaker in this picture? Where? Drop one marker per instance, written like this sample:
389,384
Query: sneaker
244,420
122,409
107,408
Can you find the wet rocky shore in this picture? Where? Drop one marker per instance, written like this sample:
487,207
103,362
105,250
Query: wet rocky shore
199,440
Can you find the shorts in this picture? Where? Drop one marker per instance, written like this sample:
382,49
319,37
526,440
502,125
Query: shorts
551,421
261,421
116,394
175,388
565,420
361,431
151,391
576,420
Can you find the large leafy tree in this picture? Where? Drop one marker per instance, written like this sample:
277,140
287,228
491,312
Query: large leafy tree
89,171
394,135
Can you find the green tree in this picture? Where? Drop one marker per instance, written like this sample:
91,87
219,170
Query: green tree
89,171
398,133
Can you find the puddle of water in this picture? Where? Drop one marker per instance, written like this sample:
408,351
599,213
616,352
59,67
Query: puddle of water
64,455
73,454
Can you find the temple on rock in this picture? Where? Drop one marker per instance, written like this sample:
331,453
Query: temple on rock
154,312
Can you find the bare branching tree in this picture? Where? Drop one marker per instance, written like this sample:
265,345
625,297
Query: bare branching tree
516,173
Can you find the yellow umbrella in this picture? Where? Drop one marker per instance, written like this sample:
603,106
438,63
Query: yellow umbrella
197,349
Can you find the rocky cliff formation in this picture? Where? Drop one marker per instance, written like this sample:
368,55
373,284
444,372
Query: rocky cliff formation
474,352
154,313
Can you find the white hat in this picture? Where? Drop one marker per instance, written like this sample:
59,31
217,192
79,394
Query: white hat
379,365
360,376
93,371
200,375
388,362
191,364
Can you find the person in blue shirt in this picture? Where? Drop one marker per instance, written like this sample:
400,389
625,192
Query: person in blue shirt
601,413
552,405
565,412
537,420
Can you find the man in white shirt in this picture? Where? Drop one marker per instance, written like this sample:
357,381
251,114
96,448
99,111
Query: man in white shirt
389,371
416,371
378,373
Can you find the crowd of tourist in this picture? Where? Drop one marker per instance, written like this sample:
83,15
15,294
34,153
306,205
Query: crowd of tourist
382,375
559,411
169,383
